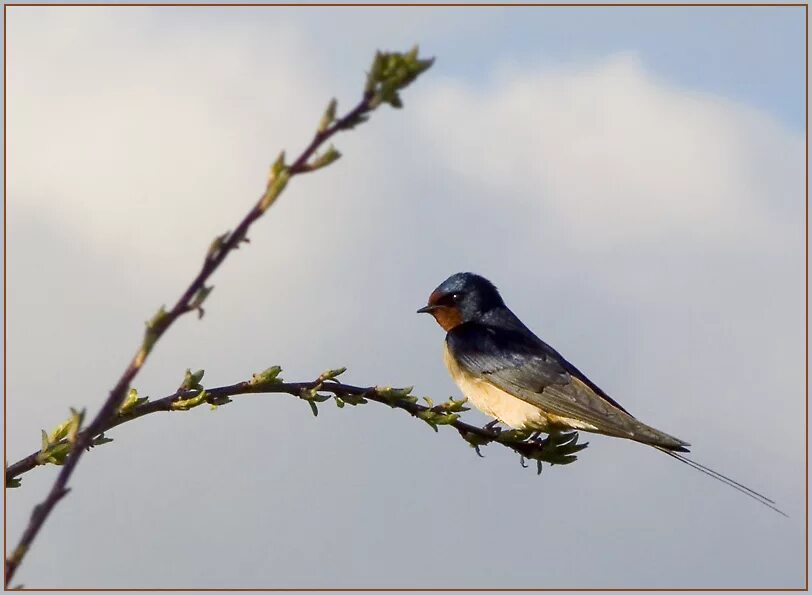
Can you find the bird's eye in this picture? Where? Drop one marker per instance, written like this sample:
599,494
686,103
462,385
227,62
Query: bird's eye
448,299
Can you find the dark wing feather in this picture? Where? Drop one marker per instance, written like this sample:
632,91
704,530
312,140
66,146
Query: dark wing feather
521,364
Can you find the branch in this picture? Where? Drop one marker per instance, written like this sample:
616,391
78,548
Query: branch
389,73
557,449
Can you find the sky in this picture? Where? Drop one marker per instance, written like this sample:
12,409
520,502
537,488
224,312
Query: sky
632,179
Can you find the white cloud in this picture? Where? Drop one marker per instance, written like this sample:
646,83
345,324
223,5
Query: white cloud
125,142
612,155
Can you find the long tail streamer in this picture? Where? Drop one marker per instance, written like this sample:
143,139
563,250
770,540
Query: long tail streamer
761,498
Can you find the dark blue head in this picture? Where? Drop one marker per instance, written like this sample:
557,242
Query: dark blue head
462,297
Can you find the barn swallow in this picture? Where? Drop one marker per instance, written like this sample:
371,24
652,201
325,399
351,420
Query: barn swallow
510,374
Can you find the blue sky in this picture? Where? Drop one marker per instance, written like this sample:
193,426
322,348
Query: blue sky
631,179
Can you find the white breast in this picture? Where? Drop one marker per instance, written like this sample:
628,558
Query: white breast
495,402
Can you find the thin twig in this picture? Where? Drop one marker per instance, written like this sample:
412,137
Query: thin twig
527,447
389,73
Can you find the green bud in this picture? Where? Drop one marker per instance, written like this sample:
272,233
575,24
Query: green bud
150,335
75,424
375,72
217,245
186,404
199,298
157,319
454,406
331,374
275,187
191,380
278,165
53,453
131,402
217,401
329,156
59,432
474,440
329,115
267,376
101,439
429,417
352,399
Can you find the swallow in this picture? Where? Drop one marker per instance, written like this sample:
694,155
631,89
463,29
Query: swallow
510,374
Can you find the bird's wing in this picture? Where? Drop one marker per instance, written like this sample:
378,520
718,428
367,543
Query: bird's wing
522,365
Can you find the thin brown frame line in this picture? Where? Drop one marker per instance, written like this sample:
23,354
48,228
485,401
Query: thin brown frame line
422,4
421,589
5,300
806,287
417,5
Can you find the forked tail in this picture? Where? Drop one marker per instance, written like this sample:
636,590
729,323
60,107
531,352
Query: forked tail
723,478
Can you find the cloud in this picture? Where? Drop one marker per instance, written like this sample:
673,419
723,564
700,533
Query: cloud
611,155
155,133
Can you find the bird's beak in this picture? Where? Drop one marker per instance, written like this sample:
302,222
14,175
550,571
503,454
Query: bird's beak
427,309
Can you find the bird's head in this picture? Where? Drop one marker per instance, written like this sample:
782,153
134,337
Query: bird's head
462,297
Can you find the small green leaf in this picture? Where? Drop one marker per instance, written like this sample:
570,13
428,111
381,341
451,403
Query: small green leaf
275,187
374,75
278,165
447,419
329,115
267,376
429,417
77,417
60,431
396,395
101,439
57,453
331,374
200,297
313,408
14,482
454,406
157,318
353,399
186,404
475,440
131,402
392,72
191,380
217,245
217,401
325,159
154,325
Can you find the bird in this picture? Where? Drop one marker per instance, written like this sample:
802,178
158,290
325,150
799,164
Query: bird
511,375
